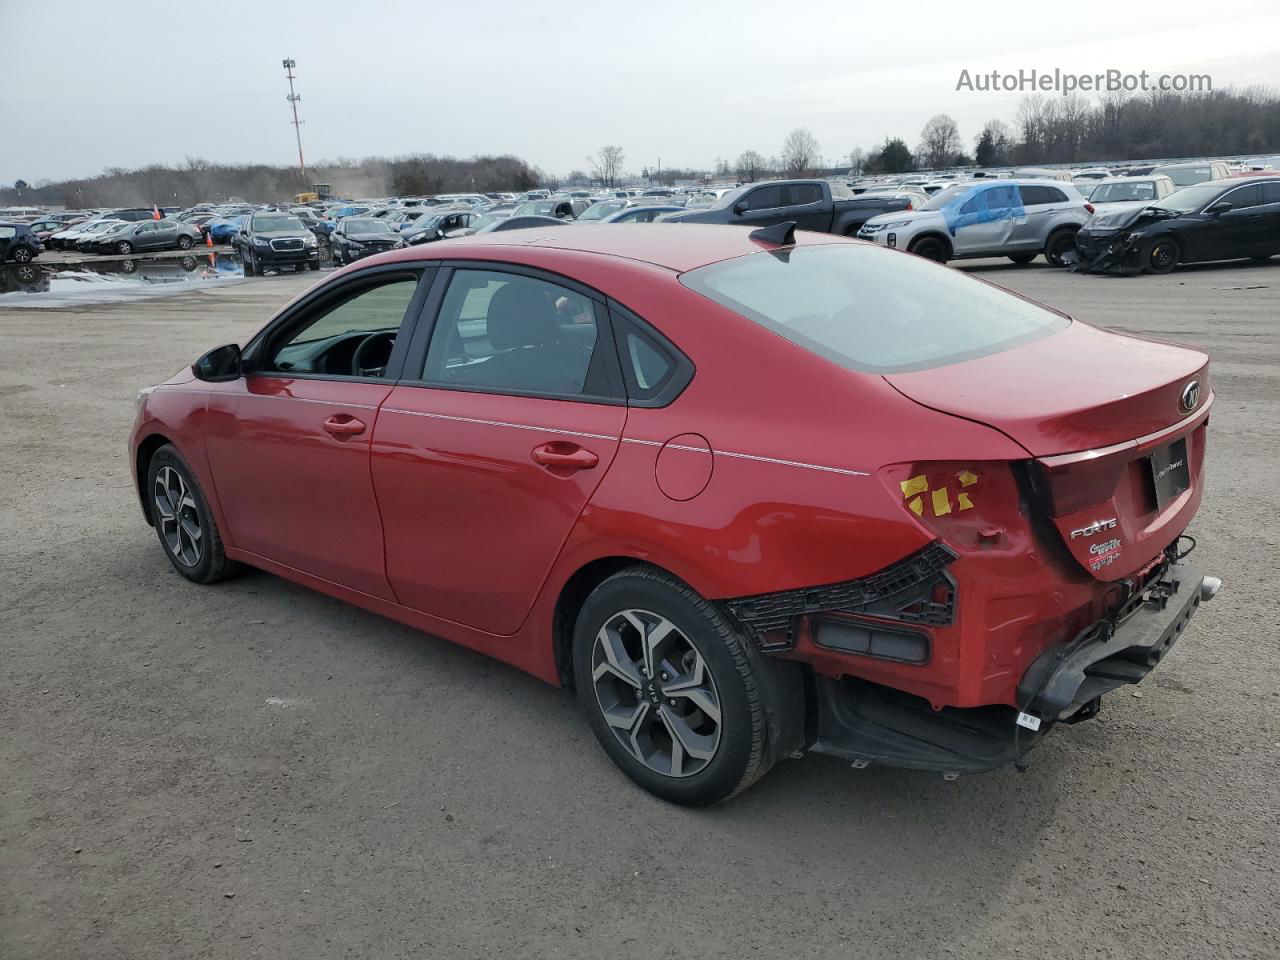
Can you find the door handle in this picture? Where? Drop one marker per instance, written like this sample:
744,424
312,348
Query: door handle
560,455
344,426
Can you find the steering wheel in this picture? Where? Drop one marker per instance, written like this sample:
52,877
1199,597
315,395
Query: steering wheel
365,362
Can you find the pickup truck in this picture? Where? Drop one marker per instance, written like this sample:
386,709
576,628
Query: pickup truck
817,205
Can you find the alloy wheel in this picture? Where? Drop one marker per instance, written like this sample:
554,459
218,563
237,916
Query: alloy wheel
178,516
22,255
656,693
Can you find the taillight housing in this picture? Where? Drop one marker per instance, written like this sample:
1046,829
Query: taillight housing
910,205
968,504
1089,207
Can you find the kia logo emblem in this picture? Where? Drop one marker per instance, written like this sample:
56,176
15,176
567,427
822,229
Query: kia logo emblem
1190,396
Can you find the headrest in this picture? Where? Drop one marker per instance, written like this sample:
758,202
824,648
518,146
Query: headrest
520,316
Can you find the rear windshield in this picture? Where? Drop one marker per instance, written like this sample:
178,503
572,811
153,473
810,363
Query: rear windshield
873,309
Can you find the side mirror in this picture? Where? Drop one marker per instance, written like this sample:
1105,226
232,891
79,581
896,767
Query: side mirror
1222,206
740,208
218,365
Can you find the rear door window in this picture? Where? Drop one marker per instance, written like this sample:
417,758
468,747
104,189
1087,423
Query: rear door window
801,193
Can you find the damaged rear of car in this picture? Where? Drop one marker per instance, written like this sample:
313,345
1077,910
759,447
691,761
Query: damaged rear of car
1215,220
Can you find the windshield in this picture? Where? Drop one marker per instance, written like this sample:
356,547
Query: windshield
427,222
538,208
598,211
1186,176
278,223
1128,190
871,309
1190,198
366,226
945,198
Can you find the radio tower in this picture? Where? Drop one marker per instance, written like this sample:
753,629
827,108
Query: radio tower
293,99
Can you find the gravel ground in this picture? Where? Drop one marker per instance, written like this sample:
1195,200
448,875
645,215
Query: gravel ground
254,770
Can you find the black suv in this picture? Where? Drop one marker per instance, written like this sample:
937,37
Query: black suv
273,239
18,243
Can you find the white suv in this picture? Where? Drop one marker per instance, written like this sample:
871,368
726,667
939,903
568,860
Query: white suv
1018,219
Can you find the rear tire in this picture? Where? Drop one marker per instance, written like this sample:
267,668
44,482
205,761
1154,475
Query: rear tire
1060,242
184,524
1022,258
1162,256
247,264
931,248
671,690
23,255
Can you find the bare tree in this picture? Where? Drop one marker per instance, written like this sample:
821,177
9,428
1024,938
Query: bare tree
939,142
606,165
857,161
750,165
799,153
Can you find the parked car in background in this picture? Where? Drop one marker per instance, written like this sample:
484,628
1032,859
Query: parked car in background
1127,190
18,243
436,223
502,224
45,227
222,229
88,238
603,208
66,239
1018,219
642,214
357,237
1229,219
275,239
1187,174
132,213
562,208
137,236
727,577
810,204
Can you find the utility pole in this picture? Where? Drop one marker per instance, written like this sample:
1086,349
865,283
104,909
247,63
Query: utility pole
293,99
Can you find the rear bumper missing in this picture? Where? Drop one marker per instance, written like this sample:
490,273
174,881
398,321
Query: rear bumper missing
866,723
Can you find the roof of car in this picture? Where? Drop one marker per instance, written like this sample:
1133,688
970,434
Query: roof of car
675,246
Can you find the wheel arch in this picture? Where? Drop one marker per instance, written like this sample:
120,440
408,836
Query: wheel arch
142,455
933,234
573,594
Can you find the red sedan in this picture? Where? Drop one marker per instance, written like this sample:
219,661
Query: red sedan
749,494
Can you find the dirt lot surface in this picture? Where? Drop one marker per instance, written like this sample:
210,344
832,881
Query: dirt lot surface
253,770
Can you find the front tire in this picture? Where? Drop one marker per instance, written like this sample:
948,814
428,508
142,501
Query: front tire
1060,243
1022,259
185,526
23,255
124,248
931,248
670,688
1162,255
184,242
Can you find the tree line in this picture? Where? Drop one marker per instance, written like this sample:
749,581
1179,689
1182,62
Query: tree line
196,180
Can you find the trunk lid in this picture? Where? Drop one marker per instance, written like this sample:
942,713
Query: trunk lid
1118,448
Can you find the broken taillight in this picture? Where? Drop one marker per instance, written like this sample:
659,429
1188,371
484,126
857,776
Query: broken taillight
967,504
1089,207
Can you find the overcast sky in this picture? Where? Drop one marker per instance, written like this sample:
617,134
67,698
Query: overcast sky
89,85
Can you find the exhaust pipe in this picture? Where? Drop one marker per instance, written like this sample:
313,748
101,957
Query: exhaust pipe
1209,588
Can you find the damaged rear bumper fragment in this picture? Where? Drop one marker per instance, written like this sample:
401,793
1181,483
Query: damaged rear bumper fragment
863,722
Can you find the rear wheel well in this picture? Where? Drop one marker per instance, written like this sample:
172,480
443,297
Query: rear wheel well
572,596
146,450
